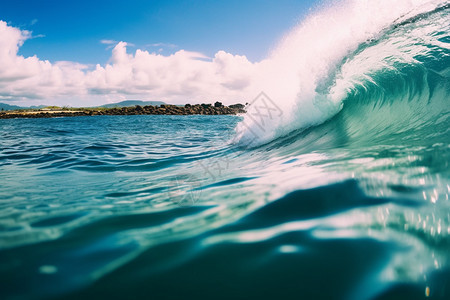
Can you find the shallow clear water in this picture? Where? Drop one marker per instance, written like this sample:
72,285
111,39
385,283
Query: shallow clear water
164,206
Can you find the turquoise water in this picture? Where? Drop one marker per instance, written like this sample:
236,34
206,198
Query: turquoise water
121,205
351,205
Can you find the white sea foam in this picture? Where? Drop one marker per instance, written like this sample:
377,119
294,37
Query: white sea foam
298,75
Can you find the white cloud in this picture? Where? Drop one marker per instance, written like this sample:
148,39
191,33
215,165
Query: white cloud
108,42
159,45
38,36
30,78
182,77
112,43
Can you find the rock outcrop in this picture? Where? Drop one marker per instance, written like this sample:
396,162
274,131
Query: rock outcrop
188,109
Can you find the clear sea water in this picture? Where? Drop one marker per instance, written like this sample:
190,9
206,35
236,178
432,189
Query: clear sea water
353,205
163,206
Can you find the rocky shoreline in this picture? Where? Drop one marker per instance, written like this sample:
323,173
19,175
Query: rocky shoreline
197,109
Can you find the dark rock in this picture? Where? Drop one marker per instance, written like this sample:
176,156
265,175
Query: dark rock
237,106
188,109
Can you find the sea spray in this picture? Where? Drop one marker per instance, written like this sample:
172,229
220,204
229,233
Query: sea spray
312,70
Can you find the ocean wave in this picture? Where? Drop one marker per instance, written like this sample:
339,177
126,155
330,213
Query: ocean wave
396,61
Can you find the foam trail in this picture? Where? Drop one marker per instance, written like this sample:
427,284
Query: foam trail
300,76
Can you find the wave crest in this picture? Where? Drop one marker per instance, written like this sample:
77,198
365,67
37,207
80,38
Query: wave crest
347,53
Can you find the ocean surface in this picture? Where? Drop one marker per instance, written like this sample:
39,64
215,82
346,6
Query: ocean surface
341,192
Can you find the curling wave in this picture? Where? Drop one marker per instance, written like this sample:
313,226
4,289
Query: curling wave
385,73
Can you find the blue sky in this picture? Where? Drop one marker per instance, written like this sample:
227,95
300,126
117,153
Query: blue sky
71,52
72,30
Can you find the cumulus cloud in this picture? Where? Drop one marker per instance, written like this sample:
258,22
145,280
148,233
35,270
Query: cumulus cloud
182,77
30,78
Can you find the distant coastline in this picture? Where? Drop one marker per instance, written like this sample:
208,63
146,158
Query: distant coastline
163,109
